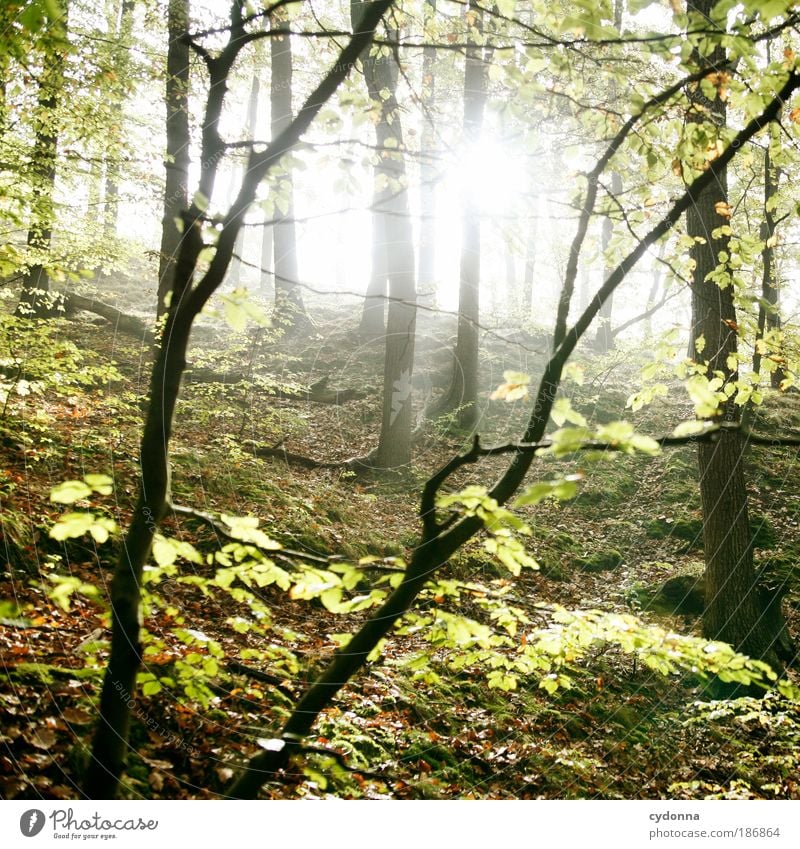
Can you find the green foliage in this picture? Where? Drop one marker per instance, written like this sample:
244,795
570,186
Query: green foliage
553,656
38,362
502,526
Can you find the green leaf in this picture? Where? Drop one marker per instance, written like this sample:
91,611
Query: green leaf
691,428
506,7
563,412
69,492
100,483
164,552
150,688
72,525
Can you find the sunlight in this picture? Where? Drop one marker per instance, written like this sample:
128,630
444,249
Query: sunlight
491,175
486,172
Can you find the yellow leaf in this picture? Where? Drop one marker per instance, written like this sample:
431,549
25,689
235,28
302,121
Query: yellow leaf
723,208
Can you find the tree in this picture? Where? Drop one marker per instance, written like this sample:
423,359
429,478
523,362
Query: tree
380,74
187,300
123,44
426,273
463,392
604,339
769,318
734,600
35,299
440,538
235,271
392,245
288,295
176,161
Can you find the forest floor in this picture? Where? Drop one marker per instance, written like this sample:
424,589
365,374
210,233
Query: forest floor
399,730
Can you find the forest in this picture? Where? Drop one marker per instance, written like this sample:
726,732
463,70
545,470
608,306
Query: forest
399,399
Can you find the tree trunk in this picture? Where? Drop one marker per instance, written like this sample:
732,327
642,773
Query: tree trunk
655,286
35,299
122,62
530,264
380,73
373,313
235,270
604,340
426,275
176,163
769,318
267,277
734,603
463,392
289,305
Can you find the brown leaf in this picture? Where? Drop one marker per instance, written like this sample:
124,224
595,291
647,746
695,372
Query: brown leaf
76,716
42,738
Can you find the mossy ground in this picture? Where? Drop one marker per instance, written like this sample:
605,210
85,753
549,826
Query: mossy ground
620,732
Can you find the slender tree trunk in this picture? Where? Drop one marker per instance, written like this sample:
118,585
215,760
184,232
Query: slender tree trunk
652,295
124,30
530,264
769,318
380,73
35,299
176,163
235,271
426,275
267,277
735,608
288,297
463,392
373,313
604,340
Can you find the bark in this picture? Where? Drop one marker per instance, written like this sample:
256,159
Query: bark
657,280
530,264
176,162
267,276
289,305
122,70
769,318
380,72
734,606
373,313
463,392
35,299
394,444
426,275
119,684
604,340
235,271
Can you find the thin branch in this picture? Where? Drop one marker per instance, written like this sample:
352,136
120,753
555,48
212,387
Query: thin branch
227,532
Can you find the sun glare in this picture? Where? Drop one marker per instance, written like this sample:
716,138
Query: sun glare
487,173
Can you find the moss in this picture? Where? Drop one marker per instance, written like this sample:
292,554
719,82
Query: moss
600,561
683,593
688,530
762,534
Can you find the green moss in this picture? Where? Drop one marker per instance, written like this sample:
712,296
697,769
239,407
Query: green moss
600,561
688,530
